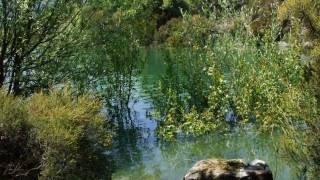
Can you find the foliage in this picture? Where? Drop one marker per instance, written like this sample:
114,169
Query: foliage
28,31
218,73
304,17
300,142
246,77
262,17
184,86
301,129
19,150
185,32
235,76
78,41
57,136
259,78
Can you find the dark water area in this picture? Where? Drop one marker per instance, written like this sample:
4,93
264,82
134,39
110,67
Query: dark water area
139,154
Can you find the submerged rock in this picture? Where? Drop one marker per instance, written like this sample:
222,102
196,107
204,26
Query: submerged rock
234,169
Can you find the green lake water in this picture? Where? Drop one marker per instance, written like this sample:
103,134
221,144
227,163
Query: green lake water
139,154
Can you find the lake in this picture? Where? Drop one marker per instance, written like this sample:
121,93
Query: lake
139,154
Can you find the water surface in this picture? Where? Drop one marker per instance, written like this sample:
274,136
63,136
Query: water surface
139,154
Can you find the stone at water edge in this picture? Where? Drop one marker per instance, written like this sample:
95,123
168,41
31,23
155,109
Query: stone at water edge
233,169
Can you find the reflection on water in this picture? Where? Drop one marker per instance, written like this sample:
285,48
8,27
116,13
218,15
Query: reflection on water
138,154
135,131
171,161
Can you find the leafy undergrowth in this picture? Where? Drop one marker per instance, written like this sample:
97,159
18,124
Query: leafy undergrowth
56,136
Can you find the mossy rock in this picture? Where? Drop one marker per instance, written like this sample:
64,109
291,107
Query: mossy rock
234,169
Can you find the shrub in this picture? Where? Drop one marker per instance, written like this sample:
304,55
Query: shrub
62,136
185,32
304,16
20,153
301,142
261,83
234,75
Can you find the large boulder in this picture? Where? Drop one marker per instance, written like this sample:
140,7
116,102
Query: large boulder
234,169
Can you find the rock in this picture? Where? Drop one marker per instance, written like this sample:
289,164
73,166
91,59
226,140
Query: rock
234,169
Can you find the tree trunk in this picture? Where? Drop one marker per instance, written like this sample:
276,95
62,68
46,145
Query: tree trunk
16,78
4,37
1,73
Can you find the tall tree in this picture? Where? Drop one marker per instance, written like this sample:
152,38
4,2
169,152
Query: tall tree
28,30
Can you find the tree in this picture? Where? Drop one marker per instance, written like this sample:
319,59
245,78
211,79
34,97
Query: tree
28,31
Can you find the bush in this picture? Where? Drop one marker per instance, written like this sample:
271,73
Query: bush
233,75
261,82
55,136
301,142
304,16
20,153
186,31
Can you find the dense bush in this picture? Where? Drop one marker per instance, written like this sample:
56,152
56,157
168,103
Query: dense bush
20,153
304,16
245,76
56,136
235,75
185,31
301,141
